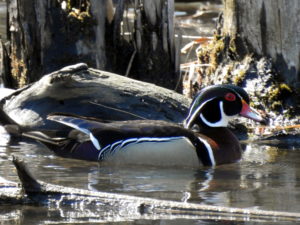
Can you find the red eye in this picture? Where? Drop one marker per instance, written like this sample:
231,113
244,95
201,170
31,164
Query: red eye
230,97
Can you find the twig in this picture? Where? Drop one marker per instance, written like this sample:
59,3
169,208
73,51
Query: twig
119,110
130,62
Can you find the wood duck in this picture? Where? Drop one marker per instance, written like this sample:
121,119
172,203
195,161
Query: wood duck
151,142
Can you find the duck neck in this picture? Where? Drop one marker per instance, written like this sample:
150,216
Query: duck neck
224,144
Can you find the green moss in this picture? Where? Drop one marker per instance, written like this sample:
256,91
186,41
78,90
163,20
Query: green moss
239,77
69,5
276,105
79,10
277,91
232,45
214,54
210,53
274,93
285,87
277,95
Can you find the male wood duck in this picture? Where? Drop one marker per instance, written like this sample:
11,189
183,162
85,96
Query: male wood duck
151,142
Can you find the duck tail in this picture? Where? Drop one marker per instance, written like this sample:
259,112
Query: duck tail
59,145
43,138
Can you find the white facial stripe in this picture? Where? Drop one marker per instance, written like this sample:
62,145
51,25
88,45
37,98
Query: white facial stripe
223,122
209,150
188,123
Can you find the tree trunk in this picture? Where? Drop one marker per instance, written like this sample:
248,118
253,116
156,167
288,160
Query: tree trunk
157,57
256,47
46,35
268,28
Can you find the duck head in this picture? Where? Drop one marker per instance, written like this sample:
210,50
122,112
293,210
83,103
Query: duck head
214,106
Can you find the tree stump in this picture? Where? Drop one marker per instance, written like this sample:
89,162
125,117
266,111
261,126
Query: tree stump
268,28
45,35
256,47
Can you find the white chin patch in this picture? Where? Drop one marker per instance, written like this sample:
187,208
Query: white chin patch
223,122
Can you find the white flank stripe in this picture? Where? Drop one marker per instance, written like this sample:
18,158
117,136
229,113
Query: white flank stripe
95,141
115,145
102,150
156,139
128,141
120,144
210,151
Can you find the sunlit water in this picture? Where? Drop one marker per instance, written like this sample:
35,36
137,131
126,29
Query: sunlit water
267,178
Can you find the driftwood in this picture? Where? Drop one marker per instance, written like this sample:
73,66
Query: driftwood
75,89
106,206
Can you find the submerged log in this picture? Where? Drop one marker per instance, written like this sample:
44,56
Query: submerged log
88,203
85,91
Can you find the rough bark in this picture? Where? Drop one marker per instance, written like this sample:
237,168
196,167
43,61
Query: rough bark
46,35
73,89
256,47
4,66
157,55
268,28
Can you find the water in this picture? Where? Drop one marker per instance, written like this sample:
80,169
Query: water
266,178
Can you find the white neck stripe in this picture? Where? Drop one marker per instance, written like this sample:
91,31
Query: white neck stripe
209,150
223,122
